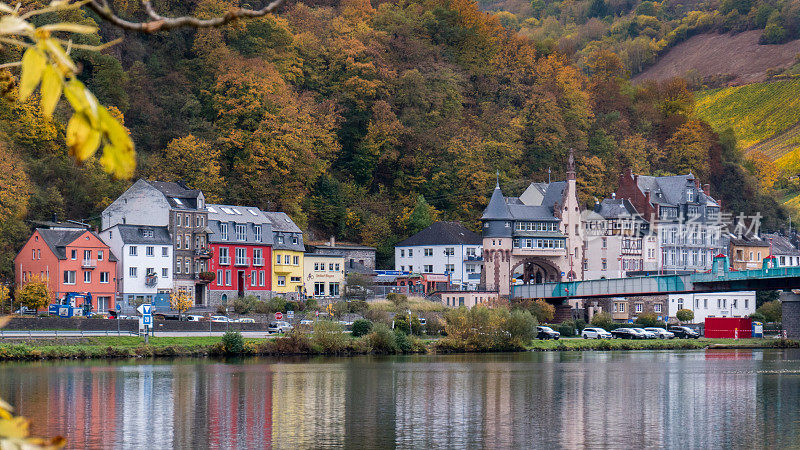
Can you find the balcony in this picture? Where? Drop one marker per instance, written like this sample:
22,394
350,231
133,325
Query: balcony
539,251
242,262
204,252
150,280
258,261
473,258
89,263
224,260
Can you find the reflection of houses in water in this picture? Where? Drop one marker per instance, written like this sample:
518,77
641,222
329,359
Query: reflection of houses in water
145,393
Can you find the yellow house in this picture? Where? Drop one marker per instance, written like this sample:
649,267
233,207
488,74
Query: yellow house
324,275
287,254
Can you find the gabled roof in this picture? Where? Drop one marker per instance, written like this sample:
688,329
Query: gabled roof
497,208
781,245
58,240
611,208
138,234
281,222
671,190
178,194
238,215
553,194
443,233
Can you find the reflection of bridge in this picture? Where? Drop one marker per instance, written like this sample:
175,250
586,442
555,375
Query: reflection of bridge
719,279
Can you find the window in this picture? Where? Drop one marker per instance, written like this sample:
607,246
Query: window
470,251
104,277
198,220
149,251
705,303
279,239
336,267
317,267
164,251
187,220
69,277
223,231
87,255
188,241
178,241
261,278
257,233
132,250
253,278
227,278
241,257
333,290
178,265
449,251
164,272
428,252
330,267
622,307
657,307
295,279
73,254
132,272
178,218
410,252
402,253
410,268
220,280
281,281
733,303
296,260
99,255
277,258
604,264
224,257
241,232
286,259
638,307
258,259
746,303
427,268
294,240
449,268
680,303
87,276
319,289
605,242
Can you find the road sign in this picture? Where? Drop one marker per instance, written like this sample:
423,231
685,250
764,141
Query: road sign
119,308
145,309
278,316
147,320
290,314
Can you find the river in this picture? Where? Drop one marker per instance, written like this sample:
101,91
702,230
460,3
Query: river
637,399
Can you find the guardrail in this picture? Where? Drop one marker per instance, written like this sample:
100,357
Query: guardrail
63,333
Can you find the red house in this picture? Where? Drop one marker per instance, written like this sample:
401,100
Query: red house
70,260
240,238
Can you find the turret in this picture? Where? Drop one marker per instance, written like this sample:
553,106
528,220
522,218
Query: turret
497,218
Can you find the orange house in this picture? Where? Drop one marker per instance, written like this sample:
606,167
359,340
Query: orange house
71,260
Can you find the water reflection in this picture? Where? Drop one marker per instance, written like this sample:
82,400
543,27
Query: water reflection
595,399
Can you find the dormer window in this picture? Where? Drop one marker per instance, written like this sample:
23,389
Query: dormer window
689,195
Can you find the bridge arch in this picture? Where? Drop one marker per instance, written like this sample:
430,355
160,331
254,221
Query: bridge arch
536,270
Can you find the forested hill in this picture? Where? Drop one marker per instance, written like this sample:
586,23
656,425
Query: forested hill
363,121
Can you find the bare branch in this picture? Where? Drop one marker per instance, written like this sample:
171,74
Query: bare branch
11,64
161,23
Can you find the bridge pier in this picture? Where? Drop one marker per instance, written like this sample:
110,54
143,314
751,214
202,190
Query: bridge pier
790,305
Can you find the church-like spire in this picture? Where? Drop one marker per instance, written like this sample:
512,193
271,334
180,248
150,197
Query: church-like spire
571,165
497,208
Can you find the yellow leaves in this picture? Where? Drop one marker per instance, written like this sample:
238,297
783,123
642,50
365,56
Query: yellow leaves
33,64
51,90
14,432
15,427
82,139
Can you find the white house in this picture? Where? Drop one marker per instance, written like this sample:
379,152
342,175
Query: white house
144,269
443,248
714,304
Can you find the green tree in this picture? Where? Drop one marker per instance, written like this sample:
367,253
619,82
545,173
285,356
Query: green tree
685,315
361,327
602,320
771,311
422,216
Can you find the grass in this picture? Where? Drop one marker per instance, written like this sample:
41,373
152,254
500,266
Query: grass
415,304
656,344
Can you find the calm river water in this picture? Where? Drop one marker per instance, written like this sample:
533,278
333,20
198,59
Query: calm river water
688,399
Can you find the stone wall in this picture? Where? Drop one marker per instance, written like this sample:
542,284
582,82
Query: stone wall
58,323
790,304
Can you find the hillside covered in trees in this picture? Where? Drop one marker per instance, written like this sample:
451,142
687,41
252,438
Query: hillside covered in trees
360,120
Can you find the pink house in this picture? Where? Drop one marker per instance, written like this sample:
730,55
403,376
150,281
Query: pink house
71,260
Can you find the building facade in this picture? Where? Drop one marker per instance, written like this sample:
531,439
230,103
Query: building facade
355,255
241,253
783,249
618,242
144,269
445,248
324,275
533,238
70,261
685,218
182,211
469,299
288,251
714,304
747,253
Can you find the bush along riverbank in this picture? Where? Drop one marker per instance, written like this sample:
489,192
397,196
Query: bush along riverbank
465,331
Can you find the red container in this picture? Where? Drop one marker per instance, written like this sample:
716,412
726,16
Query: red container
729,327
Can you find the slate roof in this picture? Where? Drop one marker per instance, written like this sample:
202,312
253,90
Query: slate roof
232,215
58,239
134,234
178,195
671,190
281,222
781,245
497,208
443,233
615,209
512,208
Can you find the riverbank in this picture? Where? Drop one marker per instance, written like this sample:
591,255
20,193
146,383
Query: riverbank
103,347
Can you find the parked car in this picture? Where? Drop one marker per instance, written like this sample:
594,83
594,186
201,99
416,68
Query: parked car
222,319
645,333
246,320
626,333
595,333
684,332
547,333
422,321
279,327
661,333
195,318
100,315
306,322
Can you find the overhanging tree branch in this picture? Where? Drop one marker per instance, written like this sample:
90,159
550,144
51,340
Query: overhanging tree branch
161,23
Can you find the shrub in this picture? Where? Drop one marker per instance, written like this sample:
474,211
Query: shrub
567,328
329,336
222,309
771,311
402,323
357,306
377,316
361,327
580,324
521,326
685,315
758,317
311,303
382,339
541,310
416,326
295,342
402,341
275,304
233,342
484,329
244,305
434,325
292,306
650,320
603,320
397,299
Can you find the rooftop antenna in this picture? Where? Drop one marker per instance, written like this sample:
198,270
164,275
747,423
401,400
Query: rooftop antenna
548,175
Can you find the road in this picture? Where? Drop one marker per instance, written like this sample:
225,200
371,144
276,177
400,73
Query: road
64,333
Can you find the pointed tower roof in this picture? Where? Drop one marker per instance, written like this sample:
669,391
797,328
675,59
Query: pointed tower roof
497,208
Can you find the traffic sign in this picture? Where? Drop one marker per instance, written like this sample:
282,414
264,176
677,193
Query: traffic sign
119,308
147,320
278,316
290,314
145,309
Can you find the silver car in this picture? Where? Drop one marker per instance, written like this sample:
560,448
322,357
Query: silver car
646,334
595,333
661,333
279,327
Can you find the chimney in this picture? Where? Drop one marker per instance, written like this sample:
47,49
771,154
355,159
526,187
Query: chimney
707,189
647,196
635,179
697,183
332,242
